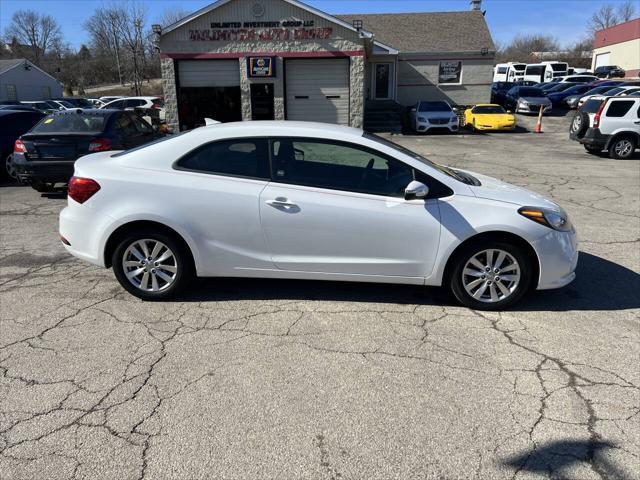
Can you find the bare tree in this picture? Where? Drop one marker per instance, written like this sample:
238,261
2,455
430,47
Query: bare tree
172,15
37,31
522,46
626,11
604,17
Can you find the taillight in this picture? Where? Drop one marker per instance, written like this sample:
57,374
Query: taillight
596,119
99,145
19,147
82,189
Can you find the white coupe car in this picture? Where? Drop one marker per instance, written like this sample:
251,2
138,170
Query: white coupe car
310,201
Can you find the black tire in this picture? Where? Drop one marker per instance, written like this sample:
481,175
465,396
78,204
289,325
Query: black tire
579,124
8,171
43,187
622,147
455,277
181,261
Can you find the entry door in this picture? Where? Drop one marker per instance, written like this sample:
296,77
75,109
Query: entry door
333,208
382,81
262,101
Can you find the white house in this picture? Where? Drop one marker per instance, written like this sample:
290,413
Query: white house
21,80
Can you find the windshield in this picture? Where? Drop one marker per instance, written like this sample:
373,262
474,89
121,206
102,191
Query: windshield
562,87
591,106
615,91
489,109
434,107
531,92
559,67
450,172
71,123
520,68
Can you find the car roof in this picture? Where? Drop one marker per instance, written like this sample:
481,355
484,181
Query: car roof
92,111
281,128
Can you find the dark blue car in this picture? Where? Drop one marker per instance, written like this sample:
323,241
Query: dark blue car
557,98
46,154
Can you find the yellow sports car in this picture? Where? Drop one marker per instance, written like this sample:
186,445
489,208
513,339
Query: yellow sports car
487,116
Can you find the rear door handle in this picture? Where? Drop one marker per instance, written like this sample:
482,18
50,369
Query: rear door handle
281,202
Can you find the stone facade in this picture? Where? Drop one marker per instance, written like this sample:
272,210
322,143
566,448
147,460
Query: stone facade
167,66
357,68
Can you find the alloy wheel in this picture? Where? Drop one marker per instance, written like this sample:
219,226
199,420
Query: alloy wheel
623,147
150,265
491,275
9,167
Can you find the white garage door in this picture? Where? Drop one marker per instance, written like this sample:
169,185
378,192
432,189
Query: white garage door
209,73
602,60
318,90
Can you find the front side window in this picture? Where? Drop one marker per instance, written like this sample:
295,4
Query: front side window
338,166
240,157
619,108
141,125
134,103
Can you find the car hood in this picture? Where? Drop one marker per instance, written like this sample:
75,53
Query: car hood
495,117
536,100
494,189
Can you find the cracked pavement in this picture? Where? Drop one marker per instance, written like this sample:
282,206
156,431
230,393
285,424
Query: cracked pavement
288,379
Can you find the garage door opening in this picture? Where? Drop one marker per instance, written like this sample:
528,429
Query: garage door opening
208,89
318,90
218,103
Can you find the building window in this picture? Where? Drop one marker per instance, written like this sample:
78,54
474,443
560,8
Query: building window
46,93
12,93
450,72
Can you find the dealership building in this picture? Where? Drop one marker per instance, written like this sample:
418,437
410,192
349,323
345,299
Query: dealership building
282,59
619,45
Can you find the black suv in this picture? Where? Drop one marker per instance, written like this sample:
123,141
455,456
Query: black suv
609,71
45,155
14,123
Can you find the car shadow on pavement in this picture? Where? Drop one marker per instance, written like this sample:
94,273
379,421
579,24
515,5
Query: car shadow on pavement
556,459
587,292
599,285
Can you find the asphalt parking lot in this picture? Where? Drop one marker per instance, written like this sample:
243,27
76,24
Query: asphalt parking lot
295,380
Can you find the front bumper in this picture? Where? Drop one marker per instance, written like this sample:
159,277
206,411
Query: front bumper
424,127
510,126
531,108
558,258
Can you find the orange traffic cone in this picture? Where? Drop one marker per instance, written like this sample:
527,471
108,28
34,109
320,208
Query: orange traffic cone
539,124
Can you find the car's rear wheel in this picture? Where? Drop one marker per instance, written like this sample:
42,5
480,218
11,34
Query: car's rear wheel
622,148
152,266
490,275
9,168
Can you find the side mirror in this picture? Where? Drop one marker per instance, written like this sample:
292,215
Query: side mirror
415,191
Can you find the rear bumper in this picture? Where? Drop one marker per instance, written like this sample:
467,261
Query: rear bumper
82,227
43,171
594,138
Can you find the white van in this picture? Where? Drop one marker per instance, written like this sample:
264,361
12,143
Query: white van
509,72
545,71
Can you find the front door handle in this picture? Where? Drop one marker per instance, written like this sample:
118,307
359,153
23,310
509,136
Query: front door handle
281,202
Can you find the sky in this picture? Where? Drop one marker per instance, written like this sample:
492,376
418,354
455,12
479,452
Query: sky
566,20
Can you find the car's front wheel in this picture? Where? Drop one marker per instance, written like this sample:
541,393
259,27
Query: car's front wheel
490,275
152,266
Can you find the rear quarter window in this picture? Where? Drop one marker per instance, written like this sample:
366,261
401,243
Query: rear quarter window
619,108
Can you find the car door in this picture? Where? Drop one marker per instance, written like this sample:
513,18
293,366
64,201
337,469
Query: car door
215,192
335,207
128,134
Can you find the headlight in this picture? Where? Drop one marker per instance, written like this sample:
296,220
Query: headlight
454,119
557,220
522,102
422,119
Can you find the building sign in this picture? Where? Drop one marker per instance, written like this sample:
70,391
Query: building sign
261,66
450,72
252,31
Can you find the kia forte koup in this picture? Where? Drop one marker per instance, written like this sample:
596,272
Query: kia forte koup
302,200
